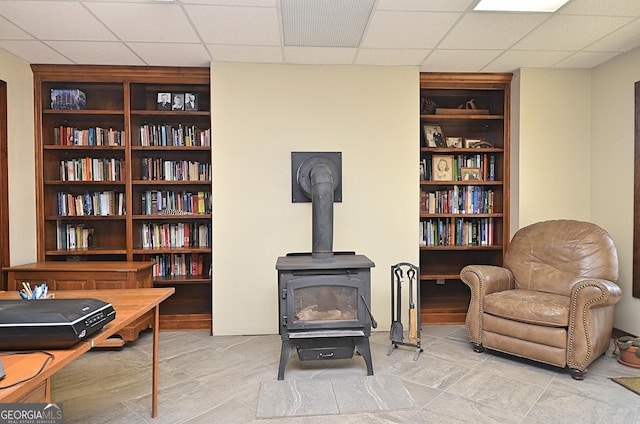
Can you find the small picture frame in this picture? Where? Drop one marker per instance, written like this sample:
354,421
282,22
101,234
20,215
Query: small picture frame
442,167
177,101
163,101
471,142
454,142
471,174
191,101
433,135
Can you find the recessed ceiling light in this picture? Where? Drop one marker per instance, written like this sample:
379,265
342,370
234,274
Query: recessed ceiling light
520,5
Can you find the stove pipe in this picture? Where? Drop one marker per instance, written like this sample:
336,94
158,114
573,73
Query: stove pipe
322,211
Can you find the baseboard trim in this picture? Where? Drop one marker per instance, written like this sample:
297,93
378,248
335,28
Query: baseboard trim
619,333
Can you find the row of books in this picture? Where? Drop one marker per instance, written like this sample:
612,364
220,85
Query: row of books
458,199
168,135
174,170
167,202
456,232
175,235
177,264
73,236
96,203
485,162
94,136
92,169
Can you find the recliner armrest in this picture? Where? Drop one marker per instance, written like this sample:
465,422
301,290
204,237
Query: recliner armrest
482,280
487,279
593,292
590,320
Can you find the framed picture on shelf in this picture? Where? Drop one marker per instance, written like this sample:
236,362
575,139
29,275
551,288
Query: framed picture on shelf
442,167
178,101
164,101
471,142
455,142
433,135
471,174
190,101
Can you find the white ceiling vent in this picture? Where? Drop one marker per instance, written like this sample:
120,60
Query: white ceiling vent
325,23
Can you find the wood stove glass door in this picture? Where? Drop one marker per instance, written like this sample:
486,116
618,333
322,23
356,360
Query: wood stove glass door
324,301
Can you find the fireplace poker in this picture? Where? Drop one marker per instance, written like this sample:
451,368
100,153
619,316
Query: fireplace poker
397,330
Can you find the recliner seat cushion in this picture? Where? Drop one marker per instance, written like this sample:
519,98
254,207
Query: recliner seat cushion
529,306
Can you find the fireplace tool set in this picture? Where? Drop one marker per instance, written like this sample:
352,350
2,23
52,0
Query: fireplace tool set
396,334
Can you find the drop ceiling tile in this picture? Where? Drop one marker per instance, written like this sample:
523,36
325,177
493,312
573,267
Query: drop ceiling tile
96,52
73,21
9,31
568,32
156,22
622,40
398,57
156,54
266,3
236,25
425,6
511,60
34,52
490,30
586,60
602,7
252,54
407,30
319,55
459,60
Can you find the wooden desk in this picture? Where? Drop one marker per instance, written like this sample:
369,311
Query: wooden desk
130,304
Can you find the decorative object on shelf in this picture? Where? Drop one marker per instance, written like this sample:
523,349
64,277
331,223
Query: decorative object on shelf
427,106
466,108
442,168
190,101
177,101
454,142
471,174
433,135
164,101
476,143
627,348
68,99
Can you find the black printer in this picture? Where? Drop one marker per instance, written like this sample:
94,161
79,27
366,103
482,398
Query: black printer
50,323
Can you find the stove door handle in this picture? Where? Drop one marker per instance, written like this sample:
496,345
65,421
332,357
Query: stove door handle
374,323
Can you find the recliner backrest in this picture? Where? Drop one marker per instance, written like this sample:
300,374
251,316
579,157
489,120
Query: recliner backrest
548,256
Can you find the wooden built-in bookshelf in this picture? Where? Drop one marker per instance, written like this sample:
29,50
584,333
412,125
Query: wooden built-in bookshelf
462,221
102,212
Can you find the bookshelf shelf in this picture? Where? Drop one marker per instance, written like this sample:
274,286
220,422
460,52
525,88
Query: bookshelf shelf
84,154
451,239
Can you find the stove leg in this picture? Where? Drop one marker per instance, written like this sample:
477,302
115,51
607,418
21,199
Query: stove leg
286,353
362,344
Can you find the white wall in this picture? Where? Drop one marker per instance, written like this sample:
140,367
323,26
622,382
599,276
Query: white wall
20,150
612,165
260,114
553,143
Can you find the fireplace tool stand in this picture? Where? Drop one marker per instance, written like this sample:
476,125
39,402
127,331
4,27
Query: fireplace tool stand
396,334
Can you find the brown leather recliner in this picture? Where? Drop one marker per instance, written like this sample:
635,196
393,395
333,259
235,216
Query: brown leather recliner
552,300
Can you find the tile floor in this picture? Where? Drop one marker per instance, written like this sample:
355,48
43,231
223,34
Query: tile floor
205,379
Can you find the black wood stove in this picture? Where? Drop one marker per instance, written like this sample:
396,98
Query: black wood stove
324,297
